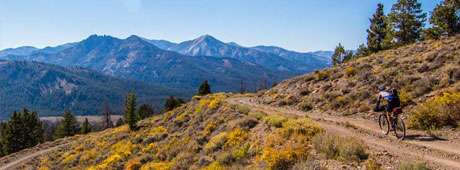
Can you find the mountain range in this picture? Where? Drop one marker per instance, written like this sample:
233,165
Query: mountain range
179,66
51,89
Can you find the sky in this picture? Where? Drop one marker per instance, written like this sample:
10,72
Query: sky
301,25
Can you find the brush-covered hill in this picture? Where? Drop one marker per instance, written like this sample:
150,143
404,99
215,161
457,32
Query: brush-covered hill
422,72
206,133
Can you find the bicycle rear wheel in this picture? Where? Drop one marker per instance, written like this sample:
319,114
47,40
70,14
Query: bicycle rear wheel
384,124
400,128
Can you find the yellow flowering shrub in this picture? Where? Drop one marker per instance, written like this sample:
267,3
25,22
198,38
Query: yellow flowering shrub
210,102
437,112
216,142
283,157
133,164
157,166
214,166
157,130
350,71
109,162
68,157
88,155
236,137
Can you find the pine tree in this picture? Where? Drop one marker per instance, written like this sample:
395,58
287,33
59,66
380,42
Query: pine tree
445,19
339,54
130,111
348,56
23,130
68,126
145,111
119,122
407,21
172,103
361,51
204,89
107,117
377,32
3,128
242,87
86,127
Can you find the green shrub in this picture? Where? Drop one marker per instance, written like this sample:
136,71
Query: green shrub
257,115
437,112
412,166
243,109
305,106
322,75
241,152
344,149
225,158
275,120
301,126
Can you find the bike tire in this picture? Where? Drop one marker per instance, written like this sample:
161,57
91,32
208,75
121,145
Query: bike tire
384,124
400,128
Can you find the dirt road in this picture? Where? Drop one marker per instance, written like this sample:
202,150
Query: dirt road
440,154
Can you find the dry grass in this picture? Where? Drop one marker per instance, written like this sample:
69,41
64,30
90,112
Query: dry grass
344,149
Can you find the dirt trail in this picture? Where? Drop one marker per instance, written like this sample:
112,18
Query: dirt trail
441,154
16,160
14,164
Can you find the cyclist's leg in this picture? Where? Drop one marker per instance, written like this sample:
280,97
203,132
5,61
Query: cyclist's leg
389,111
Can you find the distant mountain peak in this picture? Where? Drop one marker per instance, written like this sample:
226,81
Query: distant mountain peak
135,37
206,39
234,44
96,37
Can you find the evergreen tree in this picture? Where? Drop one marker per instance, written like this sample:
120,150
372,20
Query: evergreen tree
68,126
361,51
204,89
107,117
172,103
3,129
377,32
348,56
130,111
119,122
407,21
23,130
86,127
339,54
445,18
145,111
242,87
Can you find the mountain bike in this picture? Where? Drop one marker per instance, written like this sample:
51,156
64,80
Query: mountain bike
397,125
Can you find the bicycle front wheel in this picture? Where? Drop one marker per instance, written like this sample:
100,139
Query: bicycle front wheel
400,128
384,124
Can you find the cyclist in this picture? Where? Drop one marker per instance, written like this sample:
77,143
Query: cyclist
392,100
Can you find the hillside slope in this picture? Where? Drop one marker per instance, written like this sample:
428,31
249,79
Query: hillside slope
419,71
49,89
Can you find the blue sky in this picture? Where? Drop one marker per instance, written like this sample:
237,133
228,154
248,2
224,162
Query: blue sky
303,25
